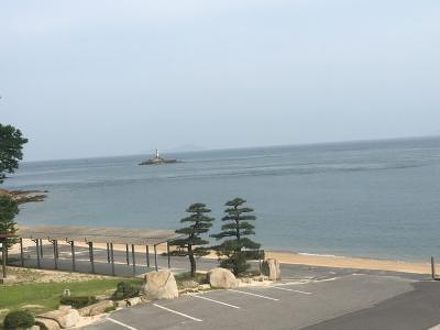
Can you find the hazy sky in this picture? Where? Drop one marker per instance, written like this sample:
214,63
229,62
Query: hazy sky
88,78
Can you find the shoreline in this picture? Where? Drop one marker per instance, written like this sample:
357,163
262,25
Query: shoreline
298,258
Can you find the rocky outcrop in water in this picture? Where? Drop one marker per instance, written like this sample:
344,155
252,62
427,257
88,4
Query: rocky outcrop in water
24,196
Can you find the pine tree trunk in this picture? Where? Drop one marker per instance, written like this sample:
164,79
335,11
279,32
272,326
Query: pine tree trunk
192,261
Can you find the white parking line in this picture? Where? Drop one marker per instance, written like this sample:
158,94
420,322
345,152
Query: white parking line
215,301
291,290
178,313
121,324
302,282
253,294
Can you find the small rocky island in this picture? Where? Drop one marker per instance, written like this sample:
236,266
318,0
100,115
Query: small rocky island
157,160
24,196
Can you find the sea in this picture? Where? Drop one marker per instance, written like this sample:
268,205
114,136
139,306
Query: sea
375,199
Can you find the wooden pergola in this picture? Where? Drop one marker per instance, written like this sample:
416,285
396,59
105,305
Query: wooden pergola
91,235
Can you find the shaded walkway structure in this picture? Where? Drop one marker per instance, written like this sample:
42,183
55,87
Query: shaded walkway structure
74,238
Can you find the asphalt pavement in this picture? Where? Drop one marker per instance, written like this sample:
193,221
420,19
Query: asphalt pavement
322,301
308,297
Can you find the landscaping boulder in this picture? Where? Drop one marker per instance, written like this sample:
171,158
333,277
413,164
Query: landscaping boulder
204,287
66,317
160,285
133,301
221,278
96,309
271,268
47,324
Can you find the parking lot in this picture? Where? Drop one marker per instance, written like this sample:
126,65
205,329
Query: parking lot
308,297
289,304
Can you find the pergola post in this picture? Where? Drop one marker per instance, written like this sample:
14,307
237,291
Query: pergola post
127,256
147,255
3,241
168,255
92,261
133,259
37,248
108,253
41,248
112,259
72,251
155,257
21,252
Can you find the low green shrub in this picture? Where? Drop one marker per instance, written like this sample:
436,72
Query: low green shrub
20,319
125,290
78,301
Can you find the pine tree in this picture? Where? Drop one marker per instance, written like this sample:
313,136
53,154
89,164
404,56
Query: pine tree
11,145
191,244
237,245
8,211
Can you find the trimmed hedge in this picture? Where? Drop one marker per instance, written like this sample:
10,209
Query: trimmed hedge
20,319
78,301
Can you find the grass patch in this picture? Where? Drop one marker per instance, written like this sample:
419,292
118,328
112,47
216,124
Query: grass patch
41,297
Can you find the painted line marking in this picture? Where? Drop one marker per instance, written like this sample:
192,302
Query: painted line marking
291,290
215,301
253,294
121,324
294,283
178,313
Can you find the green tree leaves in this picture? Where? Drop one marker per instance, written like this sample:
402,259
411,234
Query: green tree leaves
11,145
8,211
234,251
191,244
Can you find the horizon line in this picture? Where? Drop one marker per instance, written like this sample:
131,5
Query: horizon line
247,147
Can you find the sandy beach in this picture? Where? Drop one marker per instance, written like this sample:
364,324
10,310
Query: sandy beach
349,262
294,258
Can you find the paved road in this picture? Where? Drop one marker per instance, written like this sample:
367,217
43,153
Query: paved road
101,265
177,264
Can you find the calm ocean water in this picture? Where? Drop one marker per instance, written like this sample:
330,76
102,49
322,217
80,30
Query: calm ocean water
371,199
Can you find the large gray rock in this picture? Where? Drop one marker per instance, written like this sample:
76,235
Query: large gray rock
160,285
271,268
47,324
221,278
66,317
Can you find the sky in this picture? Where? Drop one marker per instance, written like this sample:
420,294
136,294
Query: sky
96,78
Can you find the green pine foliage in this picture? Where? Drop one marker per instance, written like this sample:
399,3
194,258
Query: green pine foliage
191,243
8,211
11,145
234,250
